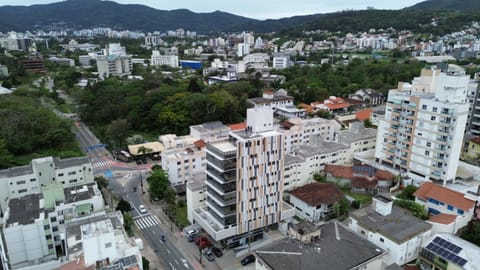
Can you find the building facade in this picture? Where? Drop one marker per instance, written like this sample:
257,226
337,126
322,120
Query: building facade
424,124
163,60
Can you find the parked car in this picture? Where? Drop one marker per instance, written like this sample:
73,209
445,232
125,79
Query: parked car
202,242
248,260
138,161
208,254
190,233
217,252
142,209
163,238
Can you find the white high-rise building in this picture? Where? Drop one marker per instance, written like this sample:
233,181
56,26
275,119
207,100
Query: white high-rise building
281,61
159,60
424,124
243,49
245,182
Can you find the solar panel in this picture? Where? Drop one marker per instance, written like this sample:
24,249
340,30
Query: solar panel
430,246
441,242
456,250
462,262
450,256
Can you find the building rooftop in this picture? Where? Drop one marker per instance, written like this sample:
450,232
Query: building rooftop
196,181
210,127
454,250
398,226
356,133
80,193
225,147
338,248
262,100
445,195
59,164
24,210
316,193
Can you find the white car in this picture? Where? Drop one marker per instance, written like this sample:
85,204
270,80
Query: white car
142,209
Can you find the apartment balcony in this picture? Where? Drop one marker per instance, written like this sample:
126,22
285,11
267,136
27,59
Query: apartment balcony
288,211
224,200
222,165
214,205
216,230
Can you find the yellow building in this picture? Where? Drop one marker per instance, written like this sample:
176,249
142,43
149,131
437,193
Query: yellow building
473,148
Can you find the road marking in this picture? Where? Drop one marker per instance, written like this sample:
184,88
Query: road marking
176,262
171,265
146,221
168,250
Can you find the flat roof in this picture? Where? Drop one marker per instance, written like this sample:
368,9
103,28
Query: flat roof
337,248
399,226
155,147
24,210
225,146
80,193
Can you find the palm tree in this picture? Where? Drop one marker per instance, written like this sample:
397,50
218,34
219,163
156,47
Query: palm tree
144,150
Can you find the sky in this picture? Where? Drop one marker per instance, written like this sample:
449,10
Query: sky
257,9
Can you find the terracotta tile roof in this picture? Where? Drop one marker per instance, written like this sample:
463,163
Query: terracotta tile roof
287,124
443,219
354,101
316,193
359,182
364,114
306,107
475,140
411,267
200,144
269,92
445,195
337,105
347,172
238,126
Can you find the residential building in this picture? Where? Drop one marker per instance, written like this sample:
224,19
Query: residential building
424,124
210,132
243,49
245,182
28,234
332,105
114,65
473,124
450,210
85,60
33,64
290,111
358,139
115,49
256,58
153,40
181,163
163,60
281,61
306,160
446,251
17,182
361,178
307,131
334,247
392,228
170,141
196,193
369,97
100,243
314,202
272,99
62,61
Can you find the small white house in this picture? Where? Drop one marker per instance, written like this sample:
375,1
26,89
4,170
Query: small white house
315,201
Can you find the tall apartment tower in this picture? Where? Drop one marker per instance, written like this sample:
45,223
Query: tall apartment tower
245,182
424,124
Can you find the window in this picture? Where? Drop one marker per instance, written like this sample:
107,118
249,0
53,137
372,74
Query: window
424,107
21,182
60,174
22,190
46,227
434,109
72,173
33,180
433,118
450,207
427,153
53,219
460,211
382,240
429,144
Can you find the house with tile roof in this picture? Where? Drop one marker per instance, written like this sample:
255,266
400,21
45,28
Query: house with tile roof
314,201
449,210
332,105
361,178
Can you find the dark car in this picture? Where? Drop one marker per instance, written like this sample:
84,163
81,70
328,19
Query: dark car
248,260
144,161
163,238
208,254
138,161
217,252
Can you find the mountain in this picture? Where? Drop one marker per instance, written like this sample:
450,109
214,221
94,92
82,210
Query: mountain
90,13
451,5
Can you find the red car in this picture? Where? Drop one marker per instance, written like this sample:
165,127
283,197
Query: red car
202,242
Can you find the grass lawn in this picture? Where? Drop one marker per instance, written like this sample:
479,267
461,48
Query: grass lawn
181,216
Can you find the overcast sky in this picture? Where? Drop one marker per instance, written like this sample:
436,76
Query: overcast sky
258,9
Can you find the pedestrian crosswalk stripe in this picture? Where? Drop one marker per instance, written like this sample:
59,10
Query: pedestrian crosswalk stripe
147,221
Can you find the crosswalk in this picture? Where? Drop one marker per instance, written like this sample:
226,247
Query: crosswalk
102,164
146,221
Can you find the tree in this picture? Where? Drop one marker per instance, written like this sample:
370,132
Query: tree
407,193
144,150
6,159
118,130
414,208
123,206
102,182
145,263
158,184
128,223
341,208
